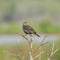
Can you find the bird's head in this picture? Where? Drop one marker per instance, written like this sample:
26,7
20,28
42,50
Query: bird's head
25,23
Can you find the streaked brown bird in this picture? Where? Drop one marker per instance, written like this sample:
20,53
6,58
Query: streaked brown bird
28,29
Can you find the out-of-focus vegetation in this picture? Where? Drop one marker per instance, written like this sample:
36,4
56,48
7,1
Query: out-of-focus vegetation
36,10
44,27
48,27
9,52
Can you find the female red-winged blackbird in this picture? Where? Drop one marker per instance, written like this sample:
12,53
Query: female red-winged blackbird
28,29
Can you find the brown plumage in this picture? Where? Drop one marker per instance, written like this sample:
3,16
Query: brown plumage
28,29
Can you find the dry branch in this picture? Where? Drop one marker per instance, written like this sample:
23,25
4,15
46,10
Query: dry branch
34,54
41,43
52,51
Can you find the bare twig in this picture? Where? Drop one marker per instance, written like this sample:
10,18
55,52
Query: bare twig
39,55
31,57
30,45
40,46
52,51
41,43
24,37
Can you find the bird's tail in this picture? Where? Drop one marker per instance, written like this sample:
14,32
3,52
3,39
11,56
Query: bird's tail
37,35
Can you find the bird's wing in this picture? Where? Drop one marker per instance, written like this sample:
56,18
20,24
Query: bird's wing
30,29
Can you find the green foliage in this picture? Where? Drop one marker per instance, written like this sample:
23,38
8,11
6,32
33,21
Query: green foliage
44,27
48,27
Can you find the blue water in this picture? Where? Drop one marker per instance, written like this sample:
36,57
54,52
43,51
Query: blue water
13,39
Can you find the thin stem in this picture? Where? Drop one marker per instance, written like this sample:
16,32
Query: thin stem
52,51
41,43
31,58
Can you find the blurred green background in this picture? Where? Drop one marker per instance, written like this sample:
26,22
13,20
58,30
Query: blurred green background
45,14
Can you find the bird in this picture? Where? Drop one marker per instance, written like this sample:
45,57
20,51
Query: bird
28,29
